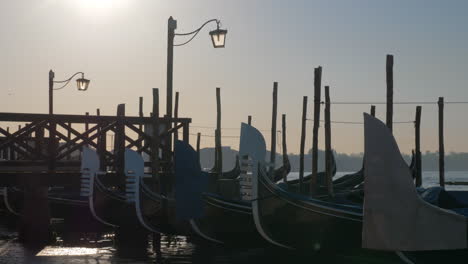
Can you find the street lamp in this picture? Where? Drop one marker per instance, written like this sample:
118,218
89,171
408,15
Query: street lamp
218,38
81,83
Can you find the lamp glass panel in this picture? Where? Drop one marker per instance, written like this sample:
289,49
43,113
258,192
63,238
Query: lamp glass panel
218,39
82,84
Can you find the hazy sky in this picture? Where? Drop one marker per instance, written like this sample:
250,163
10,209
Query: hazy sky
121,46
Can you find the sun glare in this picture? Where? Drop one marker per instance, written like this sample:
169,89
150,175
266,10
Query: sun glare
100,7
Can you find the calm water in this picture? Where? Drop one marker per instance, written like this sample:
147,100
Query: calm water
176,250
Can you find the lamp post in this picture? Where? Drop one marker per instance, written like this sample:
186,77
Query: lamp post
82,85
218,38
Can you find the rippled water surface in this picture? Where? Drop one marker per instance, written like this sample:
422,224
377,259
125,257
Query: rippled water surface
101,250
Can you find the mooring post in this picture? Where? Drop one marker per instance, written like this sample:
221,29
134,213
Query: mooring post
328,149
39,139
86,134
101,142
218,150
441,143
176,114
69,138
249,120
119,145
198,146
140,126
11,150
417,136
155,141
372,110
273,130
17,154
285,149
302,146
389,69
317,97
5,150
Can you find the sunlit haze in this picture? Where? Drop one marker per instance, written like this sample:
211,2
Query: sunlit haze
121,45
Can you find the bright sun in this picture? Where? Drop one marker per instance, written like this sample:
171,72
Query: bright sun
100,7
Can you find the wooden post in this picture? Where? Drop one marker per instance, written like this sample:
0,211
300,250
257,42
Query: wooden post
101,144
372,110
40,144
273,129
119,145
441,143
52,144
86,126
185,132
285,150
249,120
218,150
140,126
317,87
5,150
69,138
417,136
302,146
198,146
328,150
155,141
389,68
176,114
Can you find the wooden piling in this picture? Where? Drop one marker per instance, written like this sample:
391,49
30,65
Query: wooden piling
69,138
101,145
389,70
302,146
155,142
198,146
119,145
273,129
140,126
441,143
317,97
328,149
249,120
176,114
372,110
218,150
285,149
417,136
5,150
86,134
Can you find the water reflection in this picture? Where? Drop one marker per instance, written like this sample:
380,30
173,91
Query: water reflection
174,250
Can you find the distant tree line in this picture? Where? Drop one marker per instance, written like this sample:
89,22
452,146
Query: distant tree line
454,161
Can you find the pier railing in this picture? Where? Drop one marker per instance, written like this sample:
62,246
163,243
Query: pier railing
51,144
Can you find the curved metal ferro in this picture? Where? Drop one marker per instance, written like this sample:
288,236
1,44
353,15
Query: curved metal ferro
195,32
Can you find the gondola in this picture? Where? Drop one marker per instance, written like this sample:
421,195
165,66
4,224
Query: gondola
70,204
427,226
227,204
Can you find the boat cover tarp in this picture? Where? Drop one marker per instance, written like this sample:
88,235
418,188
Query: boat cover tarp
395,216
190,182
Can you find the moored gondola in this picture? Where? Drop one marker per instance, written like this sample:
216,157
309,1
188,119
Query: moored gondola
428,226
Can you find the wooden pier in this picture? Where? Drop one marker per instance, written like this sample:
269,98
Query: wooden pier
46,152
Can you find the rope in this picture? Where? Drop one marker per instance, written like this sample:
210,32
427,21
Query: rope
359,123
397,103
